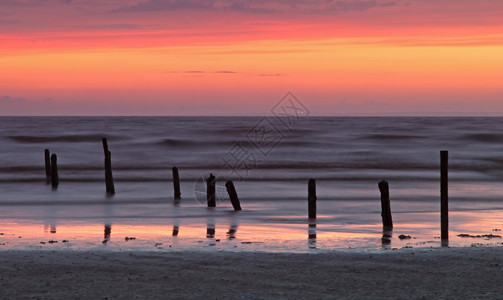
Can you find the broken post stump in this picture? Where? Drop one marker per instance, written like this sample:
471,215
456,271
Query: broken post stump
311,198
444,195
176,184
210,191
233,195
387,221
109,181
47,166
54,171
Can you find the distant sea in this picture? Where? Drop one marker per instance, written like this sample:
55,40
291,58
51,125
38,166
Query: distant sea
270,161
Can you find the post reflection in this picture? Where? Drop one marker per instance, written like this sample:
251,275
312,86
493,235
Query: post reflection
176,229
50,219
108,222
387,234
210,224
231,234
176,219
311,234
210,231
108,233
50,228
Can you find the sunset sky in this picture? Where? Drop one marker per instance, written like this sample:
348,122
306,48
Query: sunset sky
235,57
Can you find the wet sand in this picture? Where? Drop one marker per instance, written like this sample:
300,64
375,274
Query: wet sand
445,273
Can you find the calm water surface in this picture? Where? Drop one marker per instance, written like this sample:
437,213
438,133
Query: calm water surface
269,162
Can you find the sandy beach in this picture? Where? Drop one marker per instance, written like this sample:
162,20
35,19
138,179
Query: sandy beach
438,273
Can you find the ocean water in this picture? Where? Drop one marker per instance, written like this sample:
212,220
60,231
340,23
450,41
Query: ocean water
270,161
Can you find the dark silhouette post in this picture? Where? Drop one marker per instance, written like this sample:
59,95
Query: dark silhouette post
47,166
109,180
233,195
54,171
176,184
311,198
387,221
444,196
210,191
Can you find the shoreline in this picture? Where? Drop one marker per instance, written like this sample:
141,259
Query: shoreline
417,273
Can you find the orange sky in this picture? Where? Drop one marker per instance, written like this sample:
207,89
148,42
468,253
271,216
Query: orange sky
236,57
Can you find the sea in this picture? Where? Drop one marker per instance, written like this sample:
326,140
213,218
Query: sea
270,160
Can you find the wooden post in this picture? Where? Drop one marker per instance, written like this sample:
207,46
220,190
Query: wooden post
210,191
444,196
387,221
176,184
54,171
311,198
47,166
105,145
233,195
109,180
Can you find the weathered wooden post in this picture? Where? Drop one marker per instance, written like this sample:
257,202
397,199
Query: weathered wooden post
444,196
311,198
176,184
109,181
47,166
387,221
54,171
210,191
233,195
